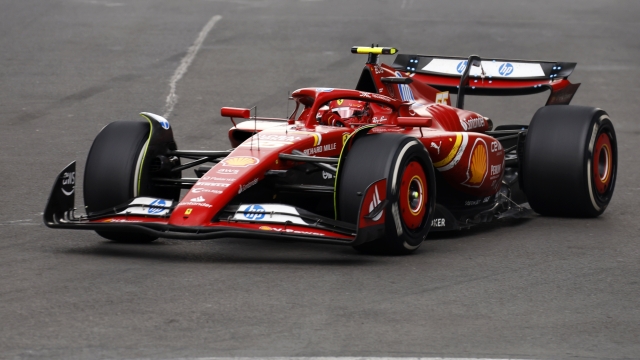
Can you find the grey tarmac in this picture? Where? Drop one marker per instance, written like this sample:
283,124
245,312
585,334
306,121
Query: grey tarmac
544,288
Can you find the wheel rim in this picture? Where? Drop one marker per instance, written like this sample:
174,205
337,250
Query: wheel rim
602,163
413,195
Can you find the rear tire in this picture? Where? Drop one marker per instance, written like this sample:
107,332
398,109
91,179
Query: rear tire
406,165
570,161
115,173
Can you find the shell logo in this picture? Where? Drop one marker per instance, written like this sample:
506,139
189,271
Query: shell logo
478,164
239,161
267,228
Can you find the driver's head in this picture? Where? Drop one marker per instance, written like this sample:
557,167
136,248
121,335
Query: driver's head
343,112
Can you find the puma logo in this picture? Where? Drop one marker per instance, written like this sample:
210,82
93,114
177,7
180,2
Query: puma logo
437,147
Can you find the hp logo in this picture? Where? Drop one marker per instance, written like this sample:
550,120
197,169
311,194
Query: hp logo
164,123
505,69
157,202
254,212
461,66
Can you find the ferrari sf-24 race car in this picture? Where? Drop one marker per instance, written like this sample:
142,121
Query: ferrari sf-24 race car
375,168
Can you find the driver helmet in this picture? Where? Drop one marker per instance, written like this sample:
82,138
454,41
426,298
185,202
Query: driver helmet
342,112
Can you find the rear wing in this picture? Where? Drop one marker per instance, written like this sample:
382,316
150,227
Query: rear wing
497,77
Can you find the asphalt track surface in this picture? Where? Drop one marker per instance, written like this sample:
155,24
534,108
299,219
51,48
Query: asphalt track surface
546,288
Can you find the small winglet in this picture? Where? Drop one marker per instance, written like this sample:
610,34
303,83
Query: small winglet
62,197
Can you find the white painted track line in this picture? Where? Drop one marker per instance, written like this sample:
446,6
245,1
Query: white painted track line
172,98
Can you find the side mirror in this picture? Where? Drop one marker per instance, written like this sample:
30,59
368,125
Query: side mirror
235,112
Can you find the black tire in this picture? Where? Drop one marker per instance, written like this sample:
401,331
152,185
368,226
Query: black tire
570,161
115,173
378,156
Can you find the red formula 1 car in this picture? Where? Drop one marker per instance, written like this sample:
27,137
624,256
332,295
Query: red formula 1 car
375,168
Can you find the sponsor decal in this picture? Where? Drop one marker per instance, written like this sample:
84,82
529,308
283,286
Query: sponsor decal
188,211
491,68
120,221
478,164
313,150
496,146
486,199
379,97
378,121
471,203
265,143
439,222
269,228
272,213
365,94
191,203
239,161
275,137
442,98
157,210
254,212
243,188
437,147
215,178
378,69
148,206
327,175
198,199
324,89
375,202
461,66
505,69
496,169
212,184
472,123
203,190
163,122
228,171
320,148
68,182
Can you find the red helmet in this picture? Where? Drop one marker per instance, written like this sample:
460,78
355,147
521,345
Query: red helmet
343,112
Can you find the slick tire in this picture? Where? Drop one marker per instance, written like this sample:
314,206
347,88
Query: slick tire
115,173
570,161
411,191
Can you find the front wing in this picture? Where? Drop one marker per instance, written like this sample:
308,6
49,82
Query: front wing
151,216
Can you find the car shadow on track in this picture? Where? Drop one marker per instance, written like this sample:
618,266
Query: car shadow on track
480,229
244,251
227,252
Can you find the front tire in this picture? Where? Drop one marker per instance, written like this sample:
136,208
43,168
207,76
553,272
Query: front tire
406,165
570,161
118,169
